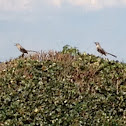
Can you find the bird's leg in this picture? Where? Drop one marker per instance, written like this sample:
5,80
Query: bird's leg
22,55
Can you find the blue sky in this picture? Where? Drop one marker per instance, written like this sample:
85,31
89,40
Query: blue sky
51,24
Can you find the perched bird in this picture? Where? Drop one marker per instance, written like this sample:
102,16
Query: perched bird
102,51
21,49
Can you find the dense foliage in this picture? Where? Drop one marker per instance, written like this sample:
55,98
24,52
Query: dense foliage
63,88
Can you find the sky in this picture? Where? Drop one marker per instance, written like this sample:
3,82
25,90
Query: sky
51,24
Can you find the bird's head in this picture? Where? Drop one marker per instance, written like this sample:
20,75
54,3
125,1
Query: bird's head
17,44
96,43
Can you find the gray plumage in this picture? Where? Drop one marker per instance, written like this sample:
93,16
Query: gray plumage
102,51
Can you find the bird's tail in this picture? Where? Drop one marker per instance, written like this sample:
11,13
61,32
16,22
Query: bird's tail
112,55
32,51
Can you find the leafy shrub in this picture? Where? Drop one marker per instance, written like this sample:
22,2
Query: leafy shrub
63,90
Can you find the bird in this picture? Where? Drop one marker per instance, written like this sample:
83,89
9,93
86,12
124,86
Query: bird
102,51
21,49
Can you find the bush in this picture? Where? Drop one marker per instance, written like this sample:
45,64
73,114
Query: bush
63,90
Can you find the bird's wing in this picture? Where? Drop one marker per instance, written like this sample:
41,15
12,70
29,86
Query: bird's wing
102,51
23,50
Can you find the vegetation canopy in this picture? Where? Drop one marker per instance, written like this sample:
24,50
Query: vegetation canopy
64,88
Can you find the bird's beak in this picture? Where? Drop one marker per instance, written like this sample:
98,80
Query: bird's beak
96,43
14,44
